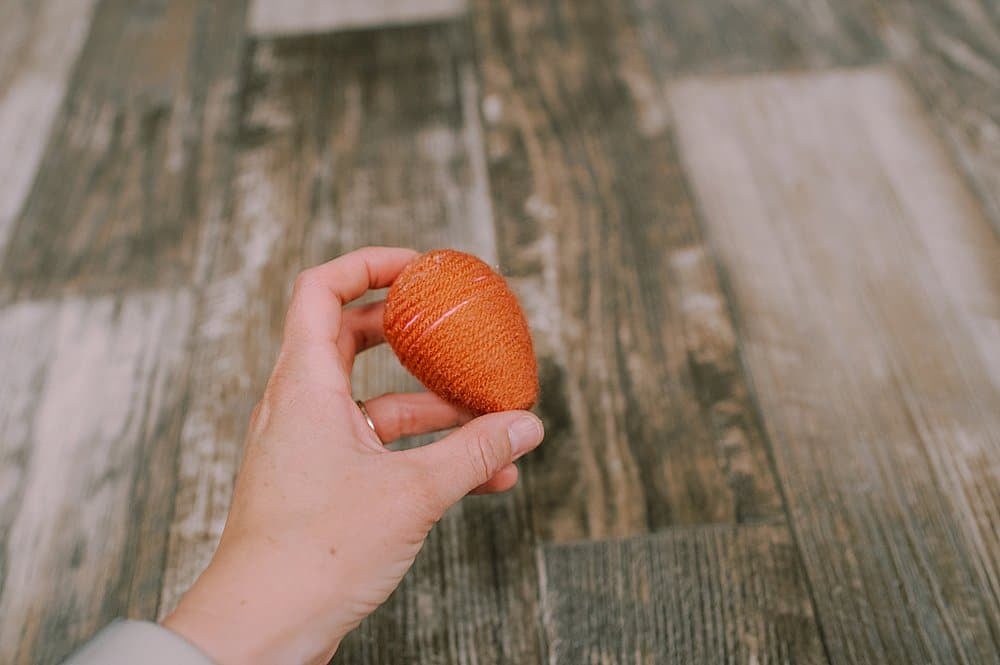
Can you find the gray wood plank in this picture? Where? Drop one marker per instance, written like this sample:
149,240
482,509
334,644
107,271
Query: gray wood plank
866,281
123,190
297,17
649,421
724,594
950,51
91,395
741,36
347,140
39,42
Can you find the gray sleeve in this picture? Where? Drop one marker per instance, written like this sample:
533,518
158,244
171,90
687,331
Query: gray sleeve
128,642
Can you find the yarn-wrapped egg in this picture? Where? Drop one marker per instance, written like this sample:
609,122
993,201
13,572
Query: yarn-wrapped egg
456,326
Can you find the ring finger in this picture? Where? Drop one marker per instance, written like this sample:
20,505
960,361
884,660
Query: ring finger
404,414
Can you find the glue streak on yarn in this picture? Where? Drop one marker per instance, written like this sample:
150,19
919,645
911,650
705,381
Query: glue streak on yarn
414,319
441,318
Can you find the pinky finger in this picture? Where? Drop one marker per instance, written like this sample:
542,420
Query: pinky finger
504,479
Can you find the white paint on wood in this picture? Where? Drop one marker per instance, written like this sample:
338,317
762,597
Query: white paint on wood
282,17
479,213
867,283
423,187
951,51
232,352
81,387
39,43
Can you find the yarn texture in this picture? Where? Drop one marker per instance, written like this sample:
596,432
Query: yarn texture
456,326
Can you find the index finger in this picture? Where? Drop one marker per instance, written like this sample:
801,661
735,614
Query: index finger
322,291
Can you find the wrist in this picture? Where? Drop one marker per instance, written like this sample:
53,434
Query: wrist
254,616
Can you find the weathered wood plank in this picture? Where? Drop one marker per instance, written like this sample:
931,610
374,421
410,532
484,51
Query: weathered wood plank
91,398
347,140
122,192
296,17
725,594
951,53
867,283
649,422
39,42
740,36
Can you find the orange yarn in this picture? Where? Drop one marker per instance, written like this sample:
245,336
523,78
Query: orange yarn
456,326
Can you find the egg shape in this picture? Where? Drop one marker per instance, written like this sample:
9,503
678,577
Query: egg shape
457,327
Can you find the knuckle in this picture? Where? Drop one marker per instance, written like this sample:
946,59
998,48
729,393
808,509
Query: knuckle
259,416
406,418
285,388
273,400
305,279
280,380
485,457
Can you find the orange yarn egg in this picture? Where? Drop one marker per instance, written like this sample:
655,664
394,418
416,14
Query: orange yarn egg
456,326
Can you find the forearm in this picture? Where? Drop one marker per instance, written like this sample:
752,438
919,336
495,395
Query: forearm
238,615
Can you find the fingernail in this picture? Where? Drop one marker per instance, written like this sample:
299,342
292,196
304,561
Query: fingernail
525,433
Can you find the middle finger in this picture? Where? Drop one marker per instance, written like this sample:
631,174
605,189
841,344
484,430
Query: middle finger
361,328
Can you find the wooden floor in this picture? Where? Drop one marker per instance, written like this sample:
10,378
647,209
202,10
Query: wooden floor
758,242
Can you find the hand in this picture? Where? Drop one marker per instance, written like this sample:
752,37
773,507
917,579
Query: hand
325,521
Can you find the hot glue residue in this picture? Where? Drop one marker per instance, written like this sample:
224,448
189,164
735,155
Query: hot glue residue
444,316
412,320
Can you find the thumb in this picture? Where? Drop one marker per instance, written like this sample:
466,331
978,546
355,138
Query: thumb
471,455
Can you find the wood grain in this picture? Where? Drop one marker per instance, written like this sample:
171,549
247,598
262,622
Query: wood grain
297,17
39,43
91,394
866,281
950,51
159,173
649,422
124,186
347,140
739,36
725,594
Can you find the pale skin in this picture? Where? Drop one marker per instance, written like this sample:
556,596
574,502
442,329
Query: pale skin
325,521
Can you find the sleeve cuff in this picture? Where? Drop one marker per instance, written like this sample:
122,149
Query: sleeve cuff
138,642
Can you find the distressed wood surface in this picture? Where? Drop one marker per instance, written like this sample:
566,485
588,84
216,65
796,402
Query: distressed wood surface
39,43
348,140
91,395
717,594
950,50
866,281
120,193
649,422
149,150
297,17
737,36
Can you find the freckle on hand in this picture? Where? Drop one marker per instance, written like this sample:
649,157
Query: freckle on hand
333,551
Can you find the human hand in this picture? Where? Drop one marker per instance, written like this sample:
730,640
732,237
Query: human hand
324,520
